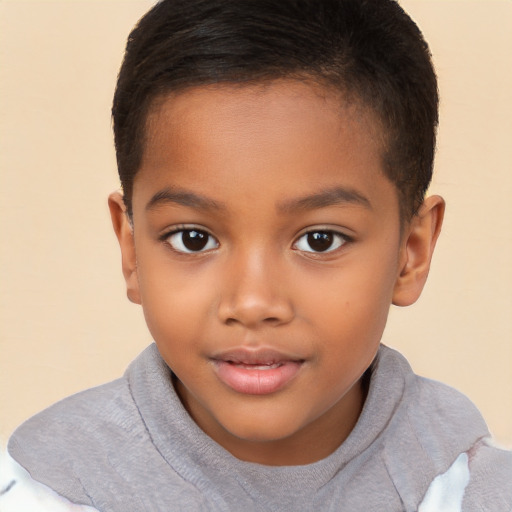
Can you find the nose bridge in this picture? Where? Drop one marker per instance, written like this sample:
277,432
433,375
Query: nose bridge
255,290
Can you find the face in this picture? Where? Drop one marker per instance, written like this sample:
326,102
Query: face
266,252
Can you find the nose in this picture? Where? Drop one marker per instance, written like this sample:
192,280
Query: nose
255,293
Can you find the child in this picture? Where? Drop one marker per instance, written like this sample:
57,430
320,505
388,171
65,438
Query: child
274,158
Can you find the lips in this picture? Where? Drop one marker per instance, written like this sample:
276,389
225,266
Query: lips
259,372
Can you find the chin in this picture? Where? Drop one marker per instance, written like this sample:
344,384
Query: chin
262,429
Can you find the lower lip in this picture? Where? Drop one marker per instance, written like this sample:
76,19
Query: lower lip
256,381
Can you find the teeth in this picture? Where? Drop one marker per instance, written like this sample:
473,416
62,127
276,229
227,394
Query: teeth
258,366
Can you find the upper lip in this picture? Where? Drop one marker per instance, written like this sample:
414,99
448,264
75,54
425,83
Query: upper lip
260,356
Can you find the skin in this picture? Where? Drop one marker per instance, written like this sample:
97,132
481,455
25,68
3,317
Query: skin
256,167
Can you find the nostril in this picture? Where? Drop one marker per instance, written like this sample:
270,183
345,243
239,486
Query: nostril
253,309
268,321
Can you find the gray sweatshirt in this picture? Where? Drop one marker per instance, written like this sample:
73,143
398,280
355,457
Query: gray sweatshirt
129,445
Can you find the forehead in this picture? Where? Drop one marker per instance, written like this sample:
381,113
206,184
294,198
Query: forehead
287,135
258,106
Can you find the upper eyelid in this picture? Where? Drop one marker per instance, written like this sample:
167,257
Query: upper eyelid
312,229
347,239
323,229
165,233
166,236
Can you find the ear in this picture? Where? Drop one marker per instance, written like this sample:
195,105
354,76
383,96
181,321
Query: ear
124,232
416,251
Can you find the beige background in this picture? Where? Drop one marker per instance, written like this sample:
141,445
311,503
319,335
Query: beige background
65,323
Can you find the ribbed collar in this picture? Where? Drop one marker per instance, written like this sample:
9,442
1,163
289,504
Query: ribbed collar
197,458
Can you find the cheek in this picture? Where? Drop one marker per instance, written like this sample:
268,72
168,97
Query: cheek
353,301
176,300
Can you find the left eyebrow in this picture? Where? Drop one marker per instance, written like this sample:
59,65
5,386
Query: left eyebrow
329,197
183,198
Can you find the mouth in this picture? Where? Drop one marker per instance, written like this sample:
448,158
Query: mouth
259,372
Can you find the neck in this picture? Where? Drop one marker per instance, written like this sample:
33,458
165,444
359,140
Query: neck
312,443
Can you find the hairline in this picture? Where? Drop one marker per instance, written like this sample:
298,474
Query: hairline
318,81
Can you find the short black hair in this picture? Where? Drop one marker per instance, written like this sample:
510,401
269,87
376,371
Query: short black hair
368,49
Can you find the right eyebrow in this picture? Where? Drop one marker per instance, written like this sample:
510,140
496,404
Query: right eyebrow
325,198
183,198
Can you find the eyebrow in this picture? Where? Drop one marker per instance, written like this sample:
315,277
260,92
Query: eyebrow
183,198
329,197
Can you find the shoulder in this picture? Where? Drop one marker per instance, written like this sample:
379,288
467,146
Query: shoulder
85,414
19,492
53,444
480,479
434,431
490,484
95,447
435,410
85,422
439,403
89,437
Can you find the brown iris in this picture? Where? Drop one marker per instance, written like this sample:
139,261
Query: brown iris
320,241
194,240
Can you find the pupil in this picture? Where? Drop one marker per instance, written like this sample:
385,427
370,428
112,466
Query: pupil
194,240
320,241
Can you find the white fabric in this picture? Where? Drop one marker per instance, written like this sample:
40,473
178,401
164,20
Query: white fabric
446,491
20,493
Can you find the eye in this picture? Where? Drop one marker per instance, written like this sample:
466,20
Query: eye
191,240
320,241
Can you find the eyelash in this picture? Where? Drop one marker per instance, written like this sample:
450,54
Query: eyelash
330,236
167,237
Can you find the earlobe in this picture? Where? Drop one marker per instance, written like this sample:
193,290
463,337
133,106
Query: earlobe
124,232
416,251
